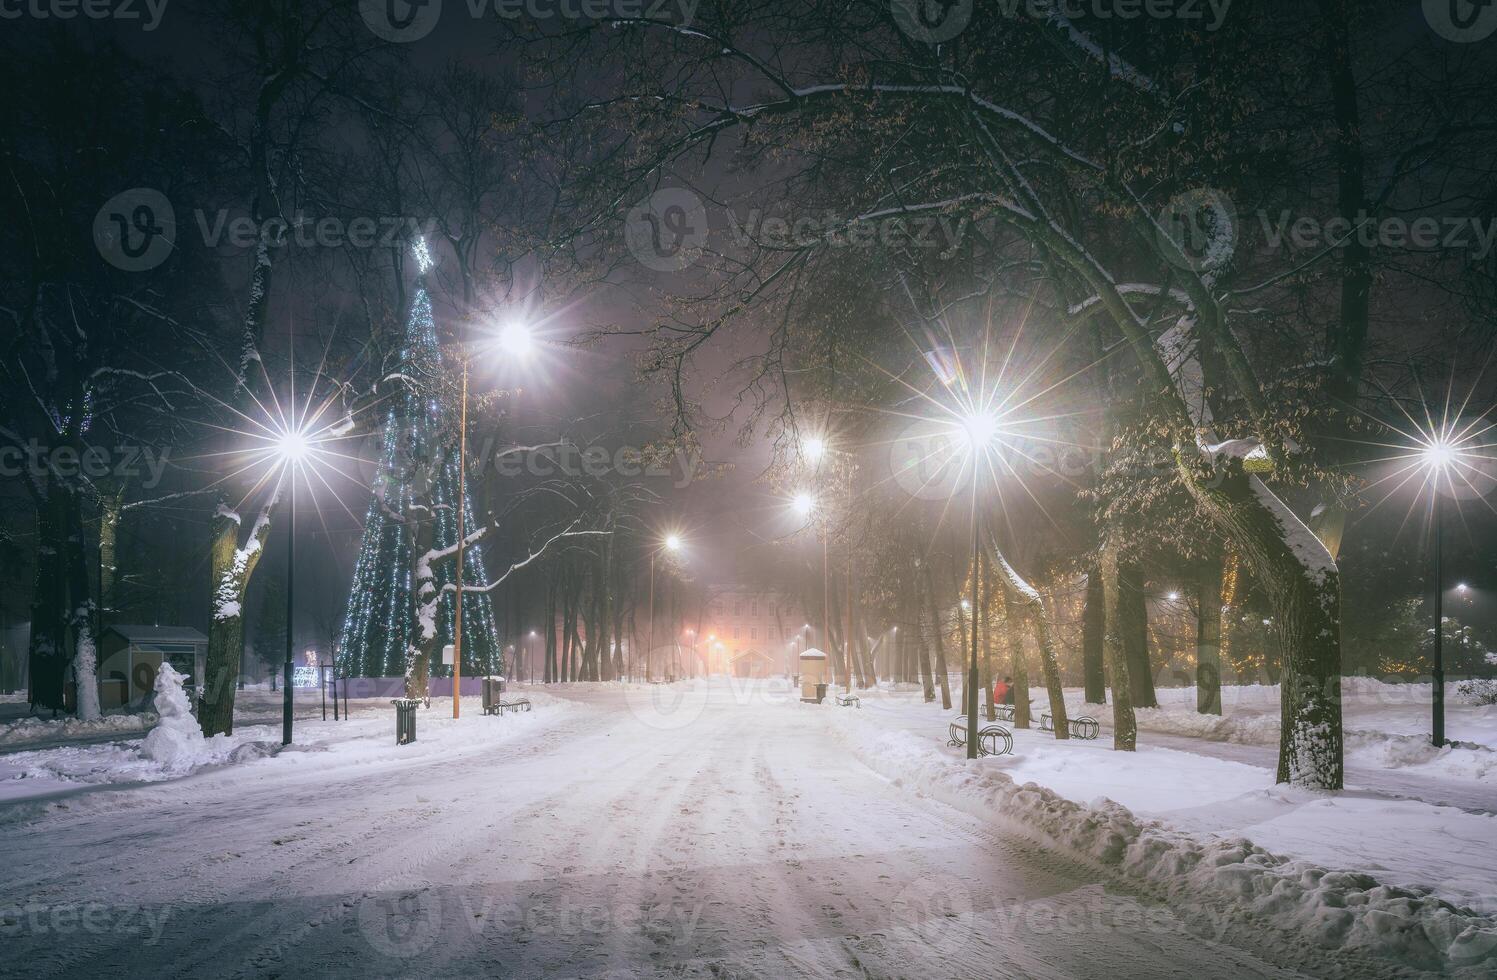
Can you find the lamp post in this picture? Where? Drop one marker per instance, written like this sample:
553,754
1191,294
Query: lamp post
291,446
672,542
980,429
515,339
1437,457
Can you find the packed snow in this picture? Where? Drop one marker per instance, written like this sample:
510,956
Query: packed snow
719,828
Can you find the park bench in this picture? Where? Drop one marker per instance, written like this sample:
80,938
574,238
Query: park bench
848,701
520,704
1004,712
991,739
1084,727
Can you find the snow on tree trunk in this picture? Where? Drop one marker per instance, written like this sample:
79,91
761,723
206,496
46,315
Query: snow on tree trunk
86,662
1303,586
1124,725
231,565
177,741
1013,632
1029,606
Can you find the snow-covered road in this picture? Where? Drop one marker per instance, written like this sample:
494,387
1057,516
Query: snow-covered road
731,835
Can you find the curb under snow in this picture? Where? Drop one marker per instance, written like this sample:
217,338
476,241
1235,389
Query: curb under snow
1339,910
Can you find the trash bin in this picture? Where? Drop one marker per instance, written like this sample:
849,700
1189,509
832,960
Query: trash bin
405,720
493,694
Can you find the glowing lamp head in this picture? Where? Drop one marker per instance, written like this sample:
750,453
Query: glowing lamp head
814,448
804,504
966,604
292,446
1174,597
516,340
672,542
1440,455
981,429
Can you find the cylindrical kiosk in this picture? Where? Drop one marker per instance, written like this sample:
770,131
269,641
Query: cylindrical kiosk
812,675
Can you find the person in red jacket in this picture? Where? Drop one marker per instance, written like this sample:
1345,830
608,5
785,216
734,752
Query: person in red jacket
1000,691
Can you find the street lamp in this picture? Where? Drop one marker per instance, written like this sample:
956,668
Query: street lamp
292,447
813,448
981,428
671,543
516,340
1438,456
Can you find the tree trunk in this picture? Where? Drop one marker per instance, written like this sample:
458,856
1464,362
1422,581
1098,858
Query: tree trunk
1135,631
942,674
1093,637
231,567
1124,727
1209,635
1027,607
927,685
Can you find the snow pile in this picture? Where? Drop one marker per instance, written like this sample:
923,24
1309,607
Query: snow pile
1338,910
1462,760
28,730
176,742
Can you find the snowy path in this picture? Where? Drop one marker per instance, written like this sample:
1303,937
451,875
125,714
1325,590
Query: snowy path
744,843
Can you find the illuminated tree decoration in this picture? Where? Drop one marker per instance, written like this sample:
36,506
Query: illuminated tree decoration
416,482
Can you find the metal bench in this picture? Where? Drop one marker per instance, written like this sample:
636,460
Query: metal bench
957,731
1004,712
1084,727
848,701
521,704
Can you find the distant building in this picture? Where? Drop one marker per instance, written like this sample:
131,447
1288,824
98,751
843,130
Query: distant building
751,632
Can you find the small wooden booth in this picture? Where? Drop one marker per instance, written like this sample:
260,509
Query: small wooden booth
813,675
130,656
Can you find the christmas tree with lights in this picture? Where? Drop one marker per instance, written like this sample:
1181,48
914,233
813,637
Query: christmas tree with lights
416,483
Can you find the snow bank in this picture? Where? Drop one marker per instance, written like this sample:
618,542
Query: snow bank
1337,910
25,731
